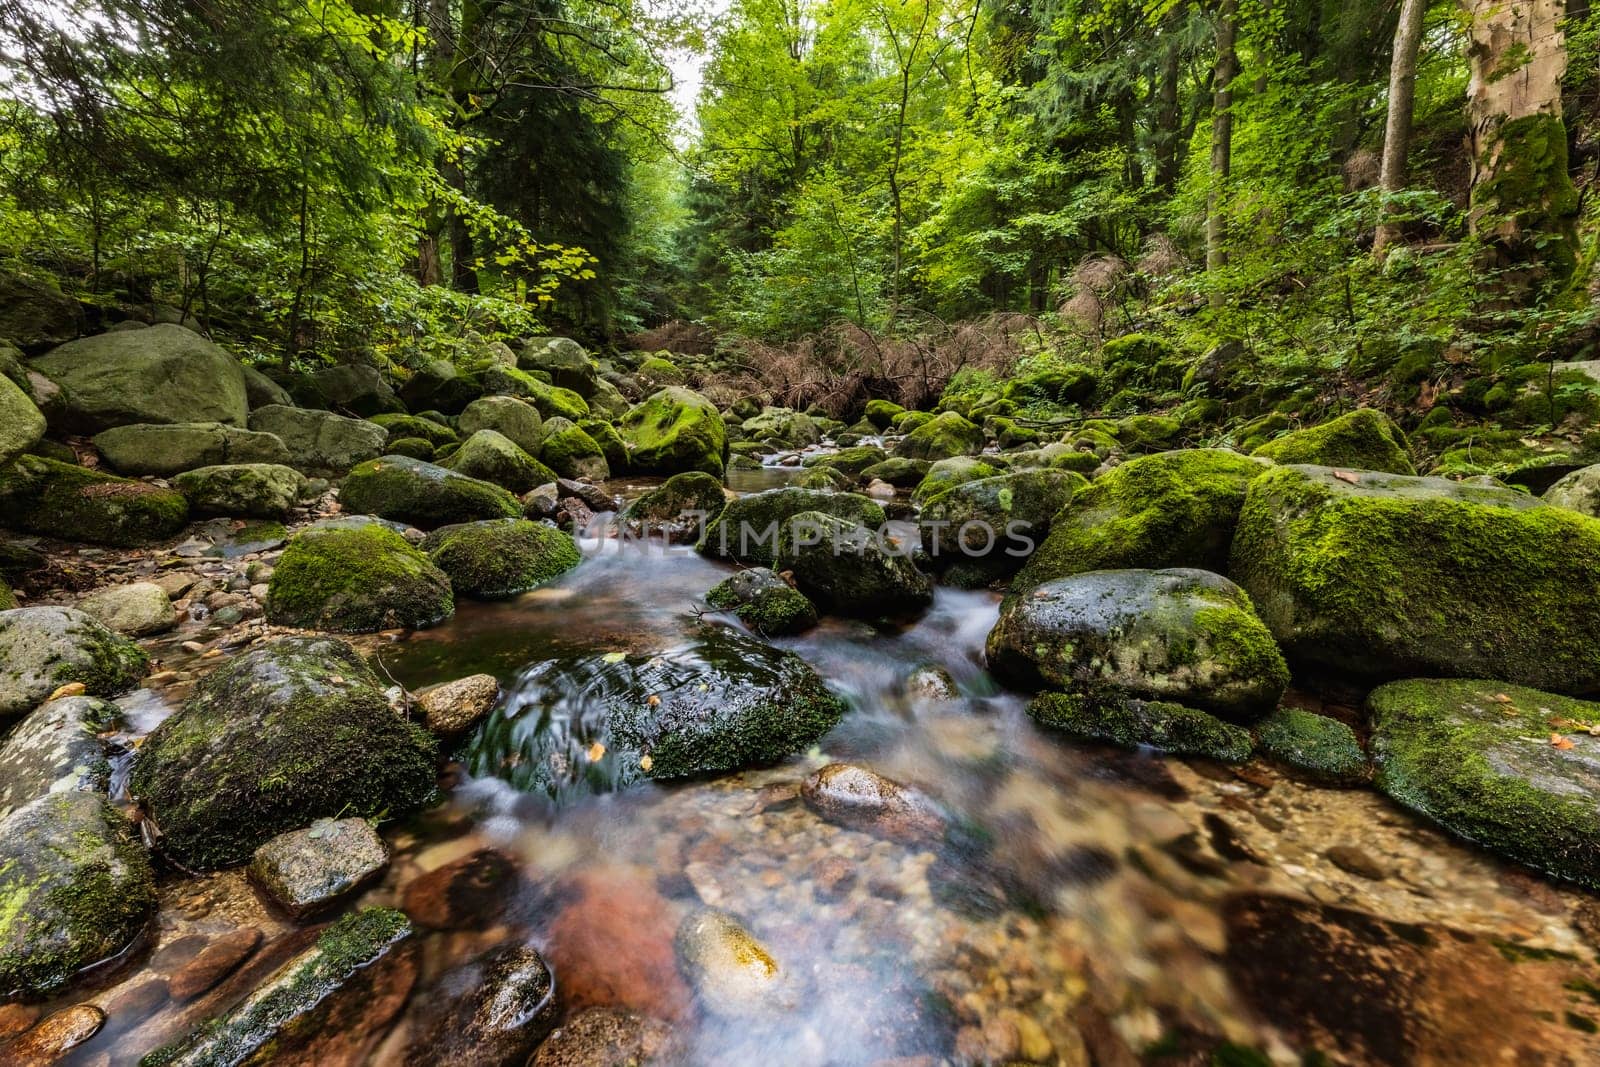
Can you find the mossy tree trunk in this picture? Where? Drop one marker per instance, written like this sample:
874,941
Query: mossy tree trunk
1227,70
1397,129
1524,206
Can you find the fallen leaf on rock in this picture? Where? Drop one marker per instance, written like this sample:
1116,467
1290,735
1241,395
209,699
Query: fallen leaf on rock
1559,741
596,752
645,763
71,689
614,657
1348,476
654,701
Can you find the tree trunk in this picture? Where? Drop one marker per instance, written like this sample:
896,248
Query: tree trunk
1168,115
1397,131
1221,131
1524,206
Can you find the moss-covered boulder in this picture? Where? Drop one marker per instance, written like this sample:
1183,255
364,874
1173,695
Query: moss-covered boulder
35,313
564,360
77,888
21,424
1182,636
747,530
43,496
1364,439
764,602
721,702
412,447
1057,455
848,568
986,529
1381,576
852,461
941,437
334,984
320,442
356,579
254,490
423,494
516,419
171,449
1319,747
657,372
490,456
1578,491
571,453
682,507
552,401
783,427
355,388
163,374
897,471
675,430
1172,509
612,446
1065,383
293,730
1140,361
881,413
501,557
399,427
1132,723
44,648
57,748
946,474
1514,769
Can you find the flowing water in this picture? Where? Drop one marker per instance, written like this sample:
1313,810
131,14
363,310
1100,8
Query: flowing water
1094,906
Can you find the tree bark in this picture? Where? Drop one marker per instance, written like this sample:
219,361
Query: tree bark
1524,207
1227,69
1397,130
1168,115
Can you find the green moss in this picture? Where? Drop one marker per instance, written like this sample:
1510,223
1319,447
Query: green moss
402,426
898,471
748,528
1060,384
490,456
422,494
691,491
501,557
656,372
1395,576
946,474
1324,748
1173,509
907,421
42,496
356,580
776,612
8,599
851,461
1141,361
571,453
675,430
881,413
612,446
1159,725
942,437
1473,755
1528,206
415,447
1364,439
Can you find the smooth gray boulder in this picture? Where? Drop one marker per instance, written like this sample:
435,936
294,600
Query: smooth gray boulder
164,374
44,648
171,449
320,442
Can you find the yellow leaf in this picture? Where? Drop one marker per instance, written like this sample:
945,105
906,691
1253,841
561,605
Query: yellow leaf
71,689
645,763
596,752
654,701
1558,741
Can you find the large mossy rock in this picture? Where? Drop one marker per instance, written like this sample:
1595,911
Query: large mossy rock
171,449
491,456
254,490
881,413
21,424
501,557
441,385
1158,724
1318,746
764,602
942,437
1172,509
1578,491
335,984
1477,758
356,579
516,419
783,427
683,506
320,442
35,313
986,529
1184,636
294,730
721,702
162,374
42,496
1382,576
747,530
571,452
422,494
77,888
848,568
400,427
675,430
564,360
44,648
945,474
57,749
851,461
1364,439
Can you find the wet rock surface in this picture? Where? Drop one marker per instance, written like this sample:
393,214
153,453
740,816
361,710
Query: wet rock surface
57,749
45,648
860,799
312,870
490,1013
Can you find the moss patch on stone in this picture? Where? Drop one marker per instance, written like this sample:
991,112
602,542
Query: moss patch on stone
356,580
1160,725
422,494
501,557
1364,439
1323,748
748,528
675,430
43,496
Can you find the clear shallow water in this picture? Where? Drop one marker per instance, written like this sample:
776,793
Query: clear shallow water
1082,912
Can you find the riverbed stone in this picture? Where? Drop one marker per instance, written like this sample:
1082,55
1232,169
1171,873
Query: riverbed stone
734,975
1171,509
490,456
748,528
356,388
78,889
1364,439
320,442
610,1037
945,474
452,708
164,374
44,648
165,450
848,461
675,430
721,702
859,798
21,424
764,602
423,494
501,557
1135,723
1381,576
1578,491
296,1006
783,427
488,1013
57,749
260,390
563,359
220,957
358,579
62,500
252,490
1183,636
296,729
942,437
469,893
1511,768
682,507
571,452
898,471
984,530
850,569
1318,746
56,1035
313,870
137,609
516,419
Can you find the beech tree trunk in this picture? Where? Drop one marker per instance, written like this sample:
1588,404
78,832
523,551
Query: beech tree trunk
1397,131
1524,206
1227,70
